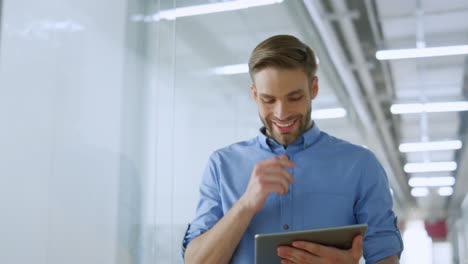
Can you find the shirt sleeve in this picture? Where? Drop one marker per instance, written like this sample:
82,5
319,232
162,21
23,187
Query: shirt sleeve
374,207
209,209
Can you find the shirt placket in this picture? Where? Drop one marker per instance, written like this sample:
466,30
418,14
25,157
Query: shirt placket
286,202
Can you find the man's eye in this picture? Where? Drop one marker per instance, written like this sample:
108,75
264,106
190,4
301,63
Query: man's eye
296,98
268,101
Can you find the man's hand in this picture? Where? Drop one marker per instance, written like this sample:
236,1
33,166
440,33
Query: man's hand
305,252
268,176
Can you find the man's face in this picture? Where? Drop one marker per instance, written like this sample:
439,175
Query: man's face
284,102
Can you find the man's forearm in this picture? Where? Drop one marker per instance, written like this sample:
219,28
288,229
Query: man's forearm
394,259
218,244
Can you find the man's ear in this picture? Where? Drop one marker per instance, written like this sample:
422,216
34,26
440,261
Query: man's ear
314,88
254,91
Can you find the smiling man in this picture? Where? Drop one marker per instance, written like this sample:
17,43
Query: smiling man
291,177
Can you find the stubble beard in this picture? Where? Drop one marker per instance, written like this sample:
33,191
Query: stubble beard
305,122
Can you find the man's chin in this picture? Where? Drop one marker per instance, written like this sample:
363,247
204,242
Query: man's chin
285,140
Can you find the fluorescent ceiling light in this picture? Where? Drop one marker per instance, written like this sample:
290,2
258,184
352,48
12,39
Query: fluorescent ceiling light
445,191
396,54
430,167
236,68
172,14
232,69
329,113
406,108
419,192
429,107
446,107
431,181
430,146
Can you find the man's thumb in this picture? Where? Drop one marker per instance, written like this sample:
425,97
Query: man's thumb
357,247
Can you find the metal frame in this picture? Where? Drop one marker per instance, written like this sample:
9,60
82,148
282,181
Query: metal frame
366,112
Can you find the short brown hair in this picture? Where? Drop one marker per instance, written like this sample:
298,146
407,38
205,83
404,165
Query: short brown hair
282,52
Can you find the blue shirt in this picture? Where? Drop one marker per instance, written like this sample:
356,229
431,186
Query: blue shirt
336,183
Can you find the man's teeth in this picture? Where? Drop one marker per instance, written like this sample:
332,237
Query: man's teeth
284,125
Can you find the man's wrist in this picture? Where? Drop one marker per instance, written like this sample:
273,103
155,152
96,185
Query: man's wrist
394,259
245,207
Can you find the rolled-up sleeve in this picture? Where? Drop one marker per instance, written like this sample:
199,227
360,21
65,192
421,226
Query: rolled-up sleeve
209,209
374,207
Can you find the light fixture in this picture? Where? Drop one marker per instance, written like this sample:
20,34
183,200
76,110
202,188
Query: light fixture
232,69
419,192
237,68
446,107
431,181
429,107
430,146
406,108
445,191
217,7
395,54
430,167
329,113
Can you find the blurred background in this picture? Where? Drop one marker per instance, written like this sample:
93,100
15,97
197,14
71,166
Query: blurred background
110,109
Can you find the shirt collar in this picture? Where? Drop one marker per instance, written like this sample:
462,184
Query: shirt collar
307,139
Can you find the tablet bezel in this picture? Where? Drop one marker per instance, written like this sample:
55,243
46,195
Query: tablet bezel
339,237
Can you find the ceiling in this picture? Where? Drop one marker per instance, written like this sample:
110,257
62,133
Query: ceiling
409,24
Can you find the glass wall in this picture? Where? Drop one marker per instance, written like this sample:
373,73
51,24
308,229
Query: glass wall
75,141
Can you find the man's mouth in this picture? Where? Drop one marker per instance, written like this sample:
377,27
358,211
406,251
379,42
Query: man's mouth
285,126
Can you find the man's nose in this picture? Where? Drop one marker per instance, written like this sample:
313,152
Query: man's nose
281,110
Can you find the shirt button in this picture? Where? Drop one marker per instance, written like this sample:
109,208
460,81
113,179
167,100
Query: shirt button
285,227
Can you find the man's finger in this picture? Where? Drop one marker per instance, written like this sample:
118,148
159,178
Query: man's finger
295,255
284,161
316,249
278,173
288,176
280,182
356,250
275,188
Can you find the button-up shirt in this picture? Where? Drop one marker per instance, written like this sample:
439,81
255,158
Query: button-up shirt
336,183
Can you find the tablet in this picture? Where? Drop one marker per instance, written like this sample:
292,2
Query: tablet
340,237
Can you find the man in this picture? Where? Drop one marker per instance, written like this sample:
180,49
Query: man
292,176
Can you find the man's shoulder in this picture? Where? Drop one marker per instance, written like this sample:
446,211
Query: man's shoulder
345,148
237,148
332,141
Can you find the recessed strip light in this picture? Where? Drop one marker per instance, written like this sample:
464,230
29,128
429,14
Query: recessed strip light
419,192
429,107
431,181
430,167
236,68
445,191
172,14
329,113
406,108
430,146
232,69
446,107
395,54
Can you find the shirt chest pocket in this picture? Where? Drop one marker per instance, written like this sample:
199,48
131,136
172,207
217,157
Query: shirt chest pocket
320,210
